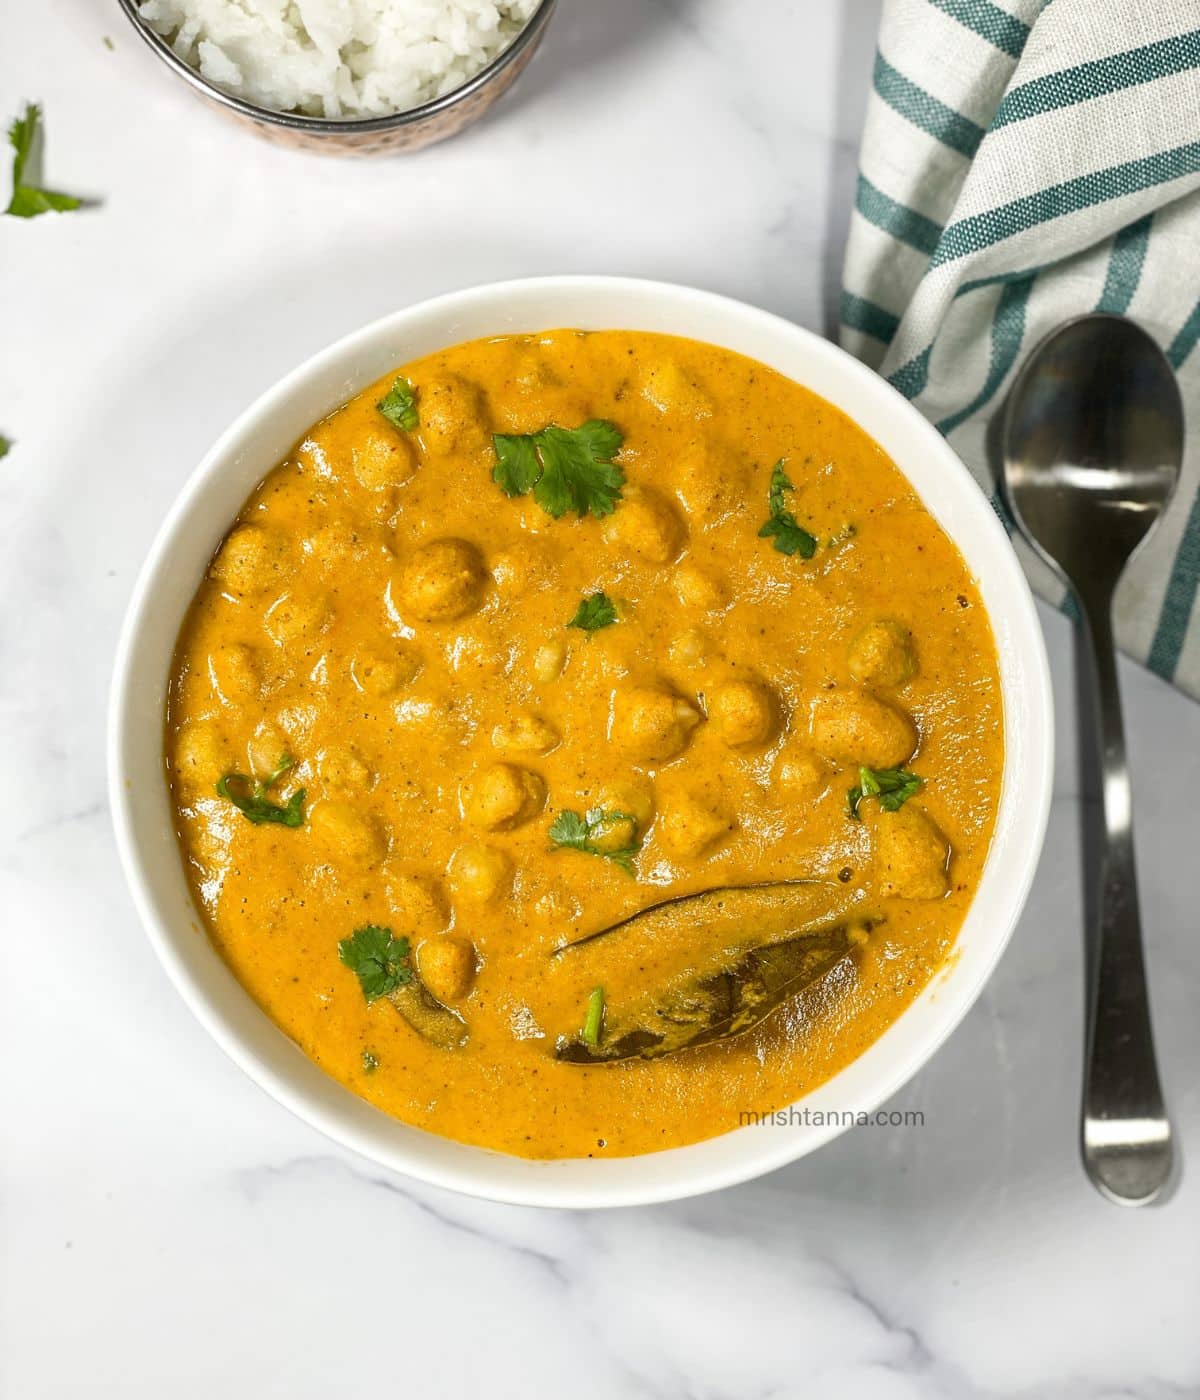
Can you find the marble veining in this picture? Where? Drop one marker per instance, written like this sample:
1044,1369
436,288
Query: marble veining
168,1230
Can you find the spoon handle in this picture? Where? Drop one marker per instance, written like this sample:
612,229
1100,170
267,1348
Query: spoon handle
1126,1134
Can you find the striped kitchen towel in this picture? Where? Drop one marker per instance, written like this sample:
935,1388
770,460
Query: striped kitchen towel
1022,163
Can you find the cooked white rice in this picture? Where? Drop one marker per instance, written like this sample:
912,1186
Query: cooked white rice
338,58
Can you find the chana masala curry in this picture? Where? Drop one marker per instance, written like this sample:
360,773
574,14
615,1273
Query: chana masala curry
583,740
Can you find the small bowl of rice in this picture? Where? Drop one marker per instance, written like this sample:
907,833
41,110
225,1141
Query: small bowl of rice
346,77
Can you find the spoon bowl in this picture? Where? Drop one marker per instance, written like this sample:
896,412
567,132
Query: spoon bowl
1093,448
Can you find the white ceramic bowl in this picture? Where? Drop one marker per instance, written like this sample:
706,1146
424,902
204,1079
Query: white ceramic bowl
264,434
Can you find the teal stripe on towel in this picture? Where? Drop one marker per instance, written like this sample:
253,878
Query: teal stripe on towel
1008,334
1178,601
912,378
978,231
1098,78
866,316
1125,266
1002,30
1185,342
897,219
1180,597
925,111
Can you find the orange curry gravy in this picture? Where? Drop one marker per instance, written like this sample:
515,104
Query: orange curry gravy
383,614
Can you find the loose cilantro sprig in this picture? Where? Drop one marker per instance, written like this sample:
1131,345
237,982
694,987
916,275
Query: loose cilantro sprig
565,468
789,537
583,833
399,405
593,1020
594,611
250,796
28,199
379,961
893,787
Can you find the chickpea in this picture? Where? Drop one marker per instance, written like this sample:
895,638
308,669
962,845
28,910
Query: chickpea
476,653
383,460
417,903
267,746
670,388
690,827
521,571
343,770
200,755
479,874
802,775
329,546
647,524
633,795
741,712
634,801
443,580
712,481
697,587
252,558
650,724
345,833
911,855
548,661
689,649
882,654
453,413
447,966
853,727
525,733
383,673
503,796
293,619
235,672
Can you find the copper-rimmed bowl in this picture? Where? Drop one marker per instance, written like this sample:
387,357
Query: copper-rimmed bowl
365,136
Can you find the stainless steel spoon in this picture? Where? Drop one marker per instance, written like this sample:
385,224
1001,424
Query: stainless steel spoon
1093,442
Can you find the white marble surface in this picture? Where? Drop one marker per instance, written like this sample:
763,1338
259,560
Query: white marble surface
165,1228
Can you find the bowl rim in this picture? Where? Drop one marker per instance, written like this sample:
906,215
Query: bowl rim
342,126
350,1121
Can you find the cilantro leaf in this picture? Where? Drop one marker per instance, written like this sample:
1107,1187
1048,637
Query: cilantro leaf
584,833
369,1063
517,467
594,611
30,200
399,405
594,1020
789,537
379,961
5,444
893,787
250,797
565,468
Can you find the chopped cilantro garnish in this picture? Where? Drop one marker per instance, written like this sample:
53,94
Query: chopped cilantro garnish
565,468
379,961
893,787
250,797
29,199
576,833
789,537
594,611
369,1063
594,1019
5,444
399,405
